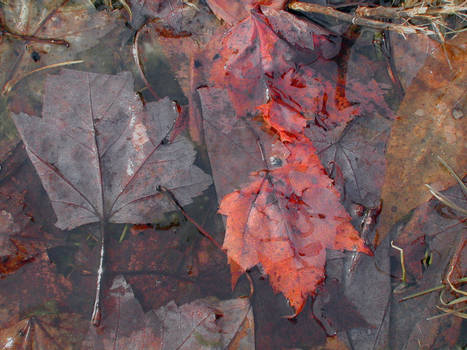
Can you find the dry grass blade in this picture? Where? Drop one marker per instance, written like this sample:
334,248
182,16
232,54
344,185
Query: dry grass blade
448,312
446,201
453,173
11,83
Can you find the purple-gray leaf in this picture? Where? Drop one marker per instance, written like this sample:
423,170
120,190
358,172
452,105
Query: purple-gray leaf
101,155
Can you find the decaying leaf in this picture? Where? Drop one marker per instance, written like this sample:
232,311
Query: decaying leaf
72,26
356,152
101,155
52,332
427,127
201,324
443,230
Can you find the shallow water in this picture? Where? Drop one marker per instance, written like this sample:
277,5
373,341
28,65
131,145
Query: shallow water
370,111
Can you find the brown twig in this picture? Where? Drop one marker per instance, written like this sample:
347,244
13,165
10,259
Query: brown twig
190,219
414,12
5,31
357,20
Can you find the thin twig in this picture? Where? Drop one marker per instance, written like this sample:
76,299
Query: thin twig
190,219
404,274
453,173
357,20
445,200
127,9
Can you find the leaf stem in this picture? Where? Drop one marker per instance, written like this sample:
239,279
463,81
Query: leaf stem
97,310
139,66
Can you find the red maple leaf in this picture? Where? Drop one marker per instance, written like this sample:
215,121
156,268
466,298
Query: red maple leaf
234,11
284,220
252,53
285,120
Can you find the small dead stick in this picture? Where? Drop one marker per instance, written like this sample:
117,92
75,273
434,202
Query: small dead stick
416,11
189,218
5,31
346,17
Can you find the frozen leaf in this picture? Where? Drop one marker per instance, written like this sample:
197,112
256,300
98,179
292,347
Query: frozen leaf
101,155
202,324
73,26
426,128
285,120
43,282
316,91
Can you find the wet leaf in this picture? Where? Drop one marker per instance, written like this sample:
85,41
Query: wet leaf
101,155
444,233
54,332
74,25
356,153
252,53
43,281
285,219
285,214
234,11
426,128
201,324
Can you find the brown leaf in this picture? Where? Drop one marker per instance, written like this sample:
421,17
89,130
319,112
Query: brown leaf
427,127
52,332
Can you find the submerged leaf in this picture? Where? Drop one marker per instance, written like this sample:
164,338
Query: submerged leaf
52,332
201,324
284,220
427,127
287,212
73,26
234,11
101,155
